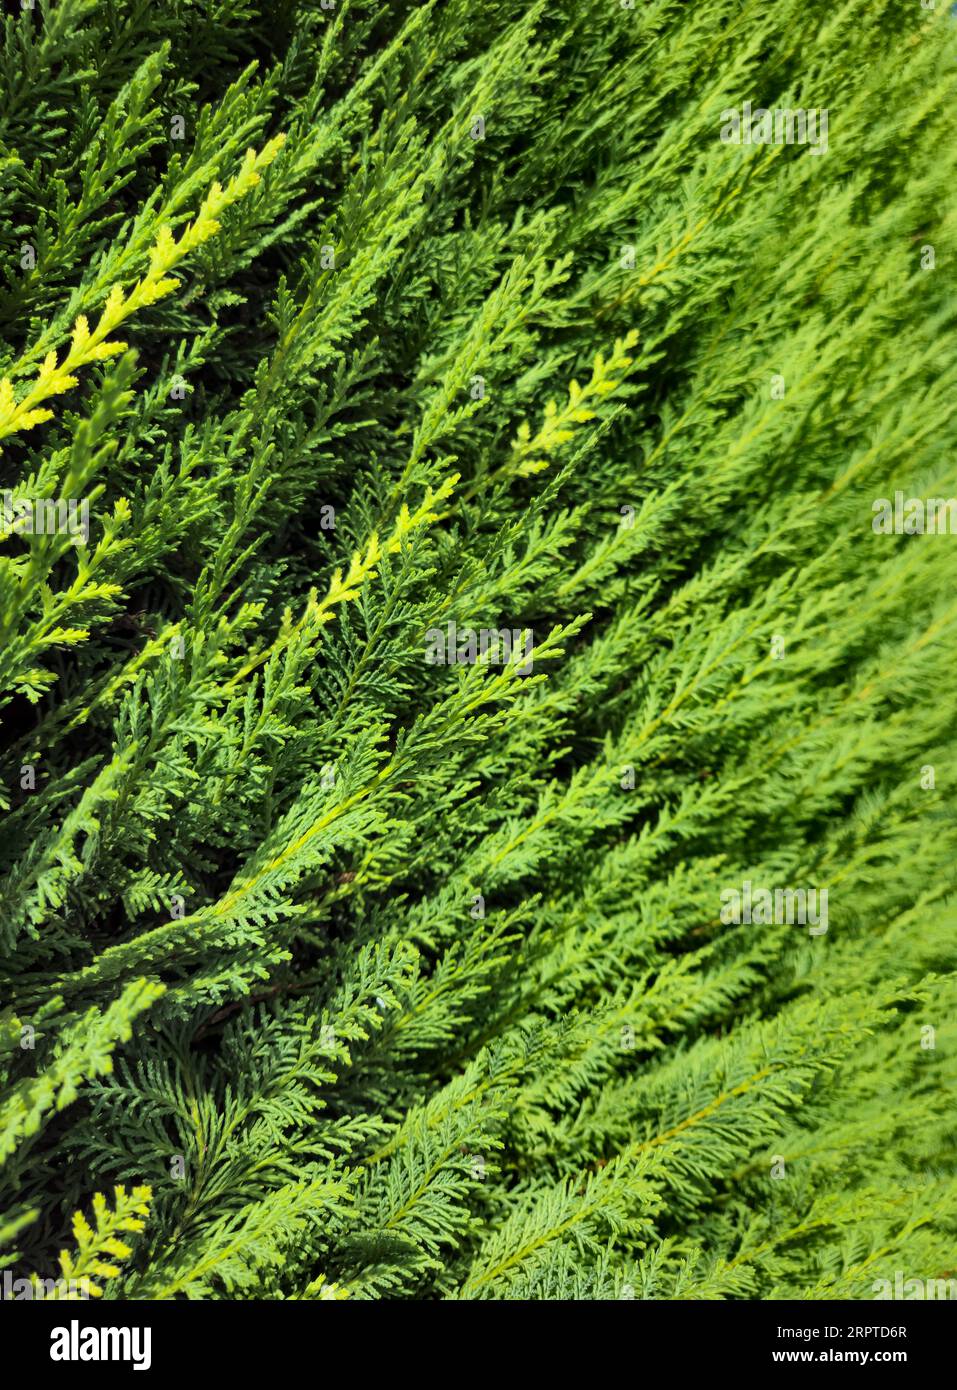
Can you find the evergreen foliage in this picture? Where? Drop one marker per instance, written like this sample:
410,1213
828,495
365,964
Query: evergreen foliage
355,974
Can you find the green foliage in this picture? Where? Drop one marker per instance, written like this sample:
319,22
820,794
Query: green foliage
378,977
97,1250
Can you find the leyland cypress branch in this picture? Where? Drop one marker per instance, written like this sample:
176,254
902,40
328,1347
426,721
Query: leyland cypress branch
477,550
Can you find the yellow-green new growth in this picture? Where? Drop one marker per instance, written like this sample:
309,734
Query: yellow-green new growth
531,455
557,426
87,346
343,589
320,1290
77,1270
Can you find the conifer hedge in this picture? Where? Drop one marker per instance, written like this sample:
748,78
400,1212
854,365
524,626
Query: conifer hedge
477,722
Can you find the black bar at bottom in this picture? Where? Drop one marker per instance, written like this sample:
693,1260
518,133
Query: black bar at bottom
71,1339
